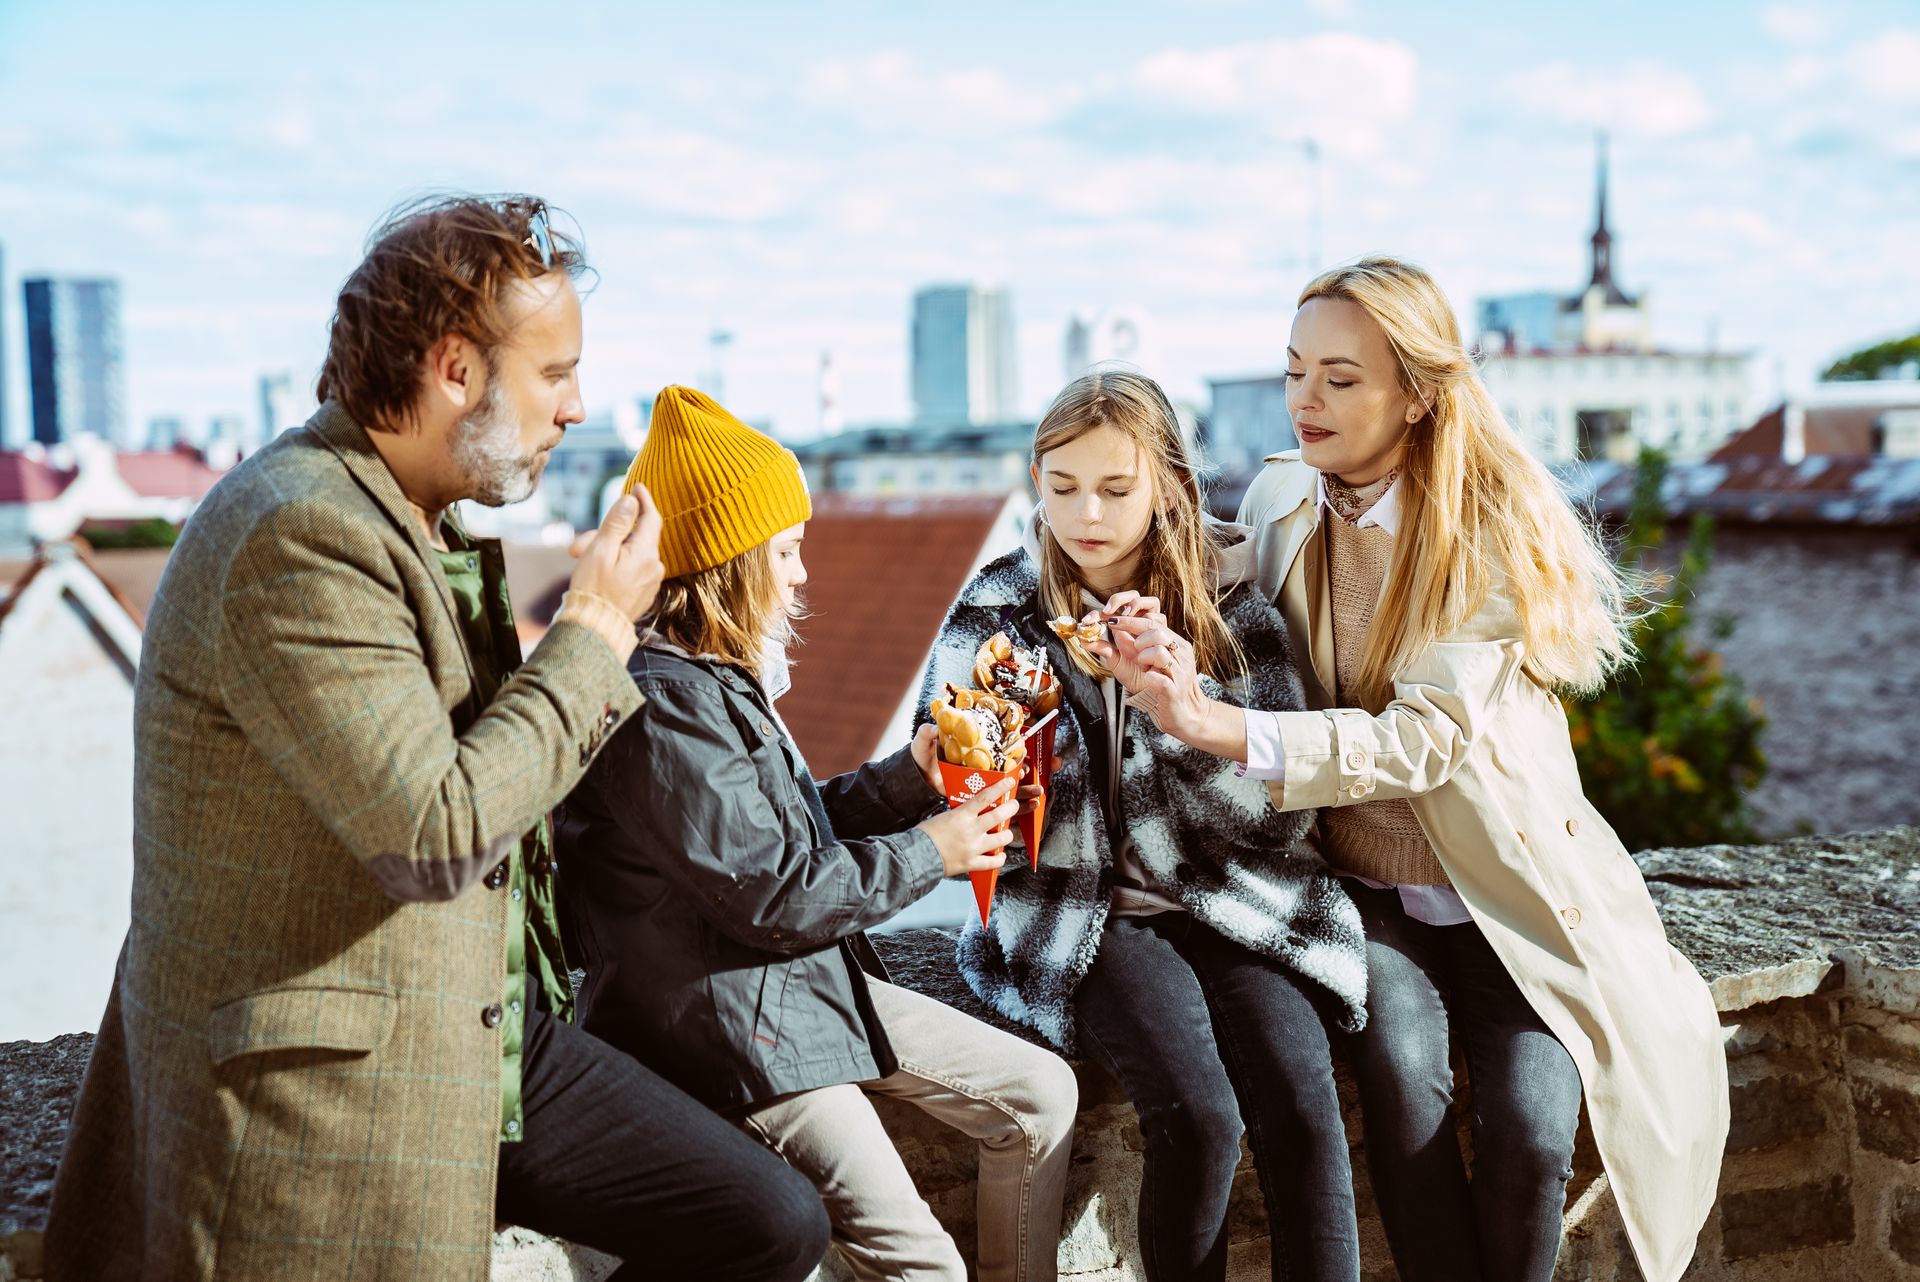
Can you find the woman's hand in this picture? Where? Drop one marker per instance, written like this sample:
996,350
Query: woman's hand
965,835
1128,604
1156,666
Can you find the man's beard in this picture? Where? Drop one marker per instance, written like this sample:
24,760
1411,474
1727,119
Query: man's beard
486,451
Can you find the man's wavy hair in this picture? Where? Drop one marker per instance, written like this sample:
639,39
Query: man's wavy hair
435,266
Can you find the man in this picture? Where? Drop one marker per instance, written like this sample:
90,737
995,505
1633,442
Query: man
336,1043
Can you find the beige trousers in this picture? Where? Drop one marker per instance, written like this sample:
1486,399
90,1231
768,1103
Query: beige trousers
1015,1098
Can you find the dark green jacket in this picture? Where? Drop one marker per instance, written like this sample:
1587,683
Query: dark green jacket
717,896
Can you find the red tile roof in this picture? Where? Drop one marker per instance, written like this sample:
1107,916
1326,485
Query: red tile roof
880,576
168,474
29,480
1834,429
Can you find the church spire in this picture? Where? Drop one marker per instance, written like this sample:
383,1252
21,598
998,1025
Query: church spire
1602,238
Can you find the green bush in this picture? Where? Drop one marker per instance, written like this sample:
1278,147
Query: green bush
1670,749
1875,361
149,533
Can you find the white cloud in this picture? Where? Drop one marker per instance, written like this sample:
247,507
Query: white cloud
892,91
1795,23
1888,66
1645,98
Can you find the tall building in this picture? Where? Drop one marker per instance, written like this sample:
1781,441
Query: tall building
74,360
963,355
6,440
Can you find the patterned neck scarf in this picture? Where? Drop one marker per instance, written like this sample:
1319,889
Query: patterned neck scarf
1354,501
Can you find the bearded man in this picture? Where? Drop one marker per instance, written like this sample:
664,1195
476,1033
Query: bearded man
336,1045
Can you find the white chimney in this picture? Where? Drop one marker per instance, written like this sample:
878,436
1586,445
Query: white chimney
1793,431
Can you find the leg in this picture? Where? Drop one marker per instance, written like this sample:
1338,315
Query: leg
882,1225
1141,1015
1277,1053
1402,1063
618,1159
1526,1108
1016,1098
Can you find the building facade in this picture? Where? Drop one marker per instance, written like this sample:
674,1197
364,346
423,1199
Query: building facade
1248,421
74,367
1580,378
964,367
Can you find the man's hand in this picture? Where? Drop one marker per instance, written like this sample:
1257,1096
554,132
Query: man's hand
965,835
620,561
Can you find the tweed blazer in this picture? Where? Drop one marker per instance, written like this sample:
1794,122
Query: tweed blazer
298,1071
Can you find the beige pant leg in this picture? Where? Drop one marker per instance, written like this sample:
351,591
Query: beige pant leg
1017,1099
881,1224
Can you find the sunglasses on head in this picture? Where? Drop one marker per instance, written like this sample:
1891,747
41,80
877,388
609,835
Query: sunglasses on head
540,237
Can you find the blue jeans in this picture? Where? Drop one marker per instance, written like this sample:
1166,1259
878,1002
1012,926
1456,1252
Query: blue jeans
1425,983
1200,1033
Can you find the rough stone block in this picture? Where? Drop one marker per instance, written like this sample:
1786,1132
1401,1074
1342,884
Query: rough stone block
1769,1221
1770,1111
1903,1232
1887,1117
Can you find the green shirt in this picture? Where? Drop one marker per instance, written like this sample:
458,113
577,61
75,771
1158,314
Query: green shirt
477,573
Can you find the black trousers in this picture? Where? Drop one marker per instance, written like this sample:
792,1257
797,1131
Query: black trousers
1207,1038
618,1159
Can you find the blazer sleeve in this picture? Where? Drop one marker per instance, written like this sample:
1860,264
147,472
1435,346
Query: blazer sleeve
686,794
323,669
1443,702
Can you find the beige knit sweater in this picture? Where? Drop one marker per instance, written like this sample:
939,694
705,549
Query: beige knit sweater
1377,839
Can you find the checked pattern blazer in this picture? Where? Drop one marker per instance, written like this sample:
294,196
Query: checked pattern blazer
298,1072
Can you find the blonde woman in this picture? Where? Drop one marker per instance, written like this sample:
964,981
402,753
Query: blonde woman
1443,591
1175,926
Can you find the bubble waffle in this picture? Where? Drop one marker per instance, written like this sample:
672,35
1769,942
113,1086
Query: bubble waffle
1078,635
980,730
1017,674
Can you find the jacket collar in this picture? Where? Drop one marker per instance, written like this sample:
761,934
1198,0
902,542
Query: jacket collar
1298,486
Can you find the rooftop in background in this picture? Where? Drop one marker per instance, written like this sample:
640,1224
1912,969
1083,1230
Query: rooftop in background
881,574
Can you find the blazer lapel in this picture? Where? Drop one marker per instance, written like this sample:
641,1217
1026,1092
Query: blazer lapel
348,440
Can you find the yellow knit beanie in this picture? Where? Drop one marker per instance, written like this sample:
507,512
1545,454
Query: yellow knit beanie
721,486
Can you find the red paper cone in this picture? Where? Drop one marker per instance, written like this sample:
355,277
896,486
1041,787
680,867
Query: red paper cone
962,784
1039,769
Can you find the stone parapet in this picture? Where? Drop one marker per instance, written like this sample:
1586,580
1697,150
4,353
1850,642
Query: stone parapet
1812,948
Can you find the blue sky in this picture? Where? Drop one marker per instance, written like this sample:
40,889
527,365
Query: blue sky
791,173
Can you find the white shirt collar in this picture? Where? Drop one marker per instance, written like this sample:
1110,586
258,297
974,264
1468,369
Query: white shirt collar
1384,513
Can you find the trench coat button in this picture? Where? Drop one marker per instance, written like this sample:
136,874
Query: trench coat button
498,877
1356,759
1571,916
1573,827
1358,790
492,1016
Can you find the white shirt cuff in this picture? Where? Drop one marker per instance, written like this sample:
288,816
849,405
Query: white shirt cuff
1265,759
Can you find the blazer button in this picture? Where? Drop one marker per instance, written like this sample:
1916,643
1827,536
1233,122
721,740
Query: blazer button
1573,827
498,877
610,718
585,752
1571,916
492,1016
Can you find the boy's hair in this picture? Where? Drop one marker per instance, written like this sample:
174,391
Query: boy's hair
440,265
726,612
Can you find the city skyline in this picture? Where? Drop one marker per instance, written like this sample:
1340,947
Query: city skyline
779,176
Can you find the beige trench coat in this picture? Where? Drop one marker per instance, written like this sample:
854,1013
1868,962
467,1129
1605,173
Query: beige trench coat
1481,752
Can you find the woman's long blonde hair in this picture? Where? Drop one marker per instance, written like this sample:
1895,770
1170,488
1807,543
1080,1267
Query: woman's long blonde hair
1177,558
1476,505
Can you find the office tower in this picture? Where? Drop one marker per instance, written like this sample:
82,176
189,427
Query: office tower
963,355
74,360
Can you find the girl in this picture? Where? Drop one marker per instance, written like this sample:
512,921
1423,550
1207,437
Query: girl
718,894
1181,927
1444,591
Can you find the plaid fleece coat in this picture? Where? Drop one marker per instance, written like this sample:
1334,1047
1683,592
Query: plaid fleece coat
1209,838
299,1070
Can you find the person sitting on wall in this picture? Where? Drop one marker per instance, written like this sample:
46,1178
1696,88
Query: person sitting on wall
337,1041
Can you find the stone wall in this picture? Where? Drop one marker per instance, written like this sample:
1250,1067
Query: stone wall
1812,948
1827,622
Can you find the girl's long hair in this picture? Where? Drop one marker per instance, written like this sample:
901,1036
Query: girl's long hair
1477,505
727,611
1177,559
